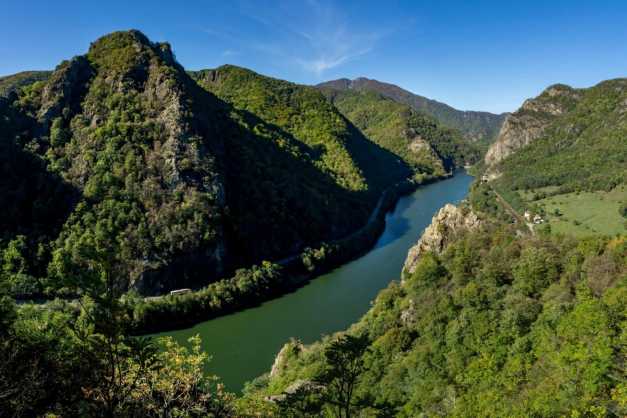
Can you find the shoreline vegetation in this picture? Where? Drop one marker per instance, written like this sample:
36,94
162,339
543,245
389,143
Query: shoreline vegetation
255,285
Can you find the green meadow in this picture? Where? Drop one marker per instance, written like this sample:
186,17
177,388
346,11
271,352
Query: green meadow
585,213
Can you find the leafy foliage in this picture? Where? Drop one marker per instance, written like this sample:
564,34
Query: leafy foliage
582,149
517,327
79,361
414,137
121,145
481,127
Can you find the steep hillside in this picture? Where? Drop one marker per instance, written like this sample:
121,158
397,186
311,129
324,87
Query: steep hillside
14,82
485,319
530,122
476,126
416,138
298,121
301,117
491,317
164,185
116,126
572,139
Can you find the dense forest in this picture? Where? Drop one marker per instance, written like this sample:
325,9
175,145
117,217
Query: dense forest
415,137
499,322
501,319
120,157
581,148
480,127
122,175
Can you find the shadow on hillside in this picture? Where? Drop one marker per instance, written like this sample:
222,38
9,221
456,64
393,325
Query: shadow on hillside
33,201
277,200
380,167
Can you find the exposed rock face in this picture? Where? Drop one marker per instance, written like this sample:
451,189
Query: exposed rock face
449,221
418,144
292,347
531,121
65,90
298,387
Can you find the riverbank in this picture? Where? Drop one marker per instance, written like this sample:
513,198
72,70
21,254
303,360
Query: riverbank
253,286
244,344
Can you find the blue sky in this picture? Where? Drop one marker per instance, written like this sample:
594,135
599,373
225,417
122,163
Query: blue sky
475,55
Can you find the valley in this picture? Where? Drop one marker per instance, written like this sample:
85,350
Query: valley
218,242
243,345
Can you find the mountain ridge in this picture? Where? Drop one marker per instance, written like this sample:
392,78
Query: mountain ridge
185,185
475,125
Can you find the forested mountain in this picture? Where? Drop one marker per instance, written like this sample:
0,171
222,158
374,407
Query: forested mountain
476,126
169,183
415,137
571,138
493,316
562,156
121,171
301,116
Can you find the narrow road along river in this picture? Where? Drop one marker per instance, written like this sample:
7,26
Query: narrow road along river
243,345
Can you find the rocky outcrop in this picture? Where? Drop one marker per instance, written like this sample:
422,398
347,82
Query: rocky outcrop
445,225
420,148
293,347
299,387
65,90
531,121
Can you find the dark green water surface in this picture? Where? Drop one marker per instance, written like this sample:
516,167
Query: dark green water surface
243,345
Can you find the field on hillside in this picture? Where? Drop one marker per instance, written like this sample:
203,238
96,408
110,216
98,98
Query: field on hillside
583,213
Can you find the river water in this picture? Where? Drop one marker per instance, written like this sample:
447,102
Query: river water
243,345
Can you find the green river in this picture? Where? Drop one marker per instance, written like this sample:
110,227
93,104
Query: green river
243,345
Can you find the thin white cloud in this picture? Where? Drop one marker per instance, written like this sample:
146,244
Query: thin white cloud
323,63
316,36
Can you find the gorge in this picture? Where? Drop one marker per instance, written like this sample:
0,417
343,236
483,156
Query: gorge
243,345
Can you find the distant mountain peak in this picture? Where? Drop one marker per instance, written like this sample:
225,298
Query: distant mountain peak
476,126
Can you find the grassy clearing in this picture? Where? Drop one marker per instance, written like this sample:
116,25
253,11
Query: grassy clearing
584,213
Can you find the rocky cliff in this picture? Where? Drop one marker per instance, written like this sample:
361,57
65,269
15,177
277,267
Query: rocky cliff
444,227
530,121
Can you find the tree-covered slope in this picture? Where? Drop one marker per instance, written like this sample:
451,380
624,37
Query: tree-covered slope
414,137
116,125
165,185
576,140
14,82
491,318
301,116
494,326
476,126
